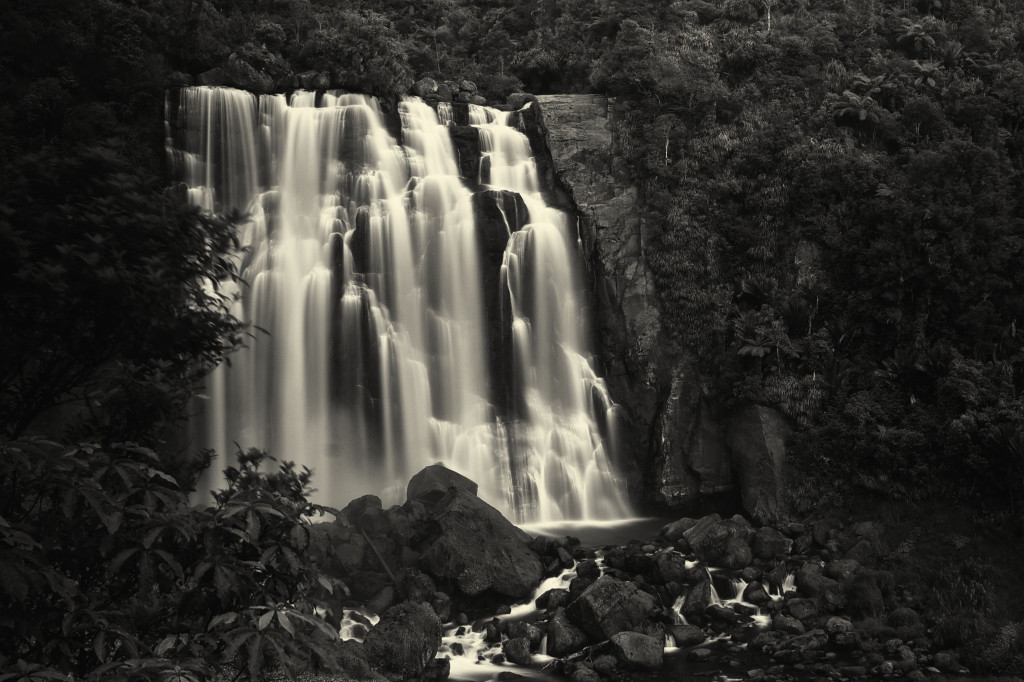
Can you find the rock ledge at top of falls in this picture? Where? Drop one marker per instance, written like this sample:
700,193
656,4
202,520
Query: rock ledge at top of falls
477,549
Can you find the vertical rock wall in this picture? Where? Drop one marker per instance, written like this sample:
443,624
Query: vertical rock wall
679,452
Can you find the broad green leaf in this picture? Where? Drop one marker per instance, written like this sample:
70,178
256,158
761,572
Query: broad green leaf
282,618
264,620
227,618
165,645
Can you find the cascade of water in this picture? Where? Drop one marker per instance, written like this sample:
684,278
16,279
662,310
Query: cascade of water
561,466
361,278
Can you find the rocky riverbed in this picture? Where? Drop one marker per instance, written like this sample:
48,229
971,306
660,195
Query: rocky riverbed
457,587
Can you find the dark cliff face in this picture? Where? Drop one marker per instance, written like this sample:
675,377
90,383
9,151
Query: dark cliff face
676,453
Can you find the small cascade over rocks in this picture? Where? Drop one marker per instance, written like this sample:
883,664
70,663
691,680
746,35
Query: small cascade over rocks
363,283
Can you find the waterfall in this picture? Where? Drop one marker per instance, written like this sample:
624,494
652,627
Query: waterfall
362,280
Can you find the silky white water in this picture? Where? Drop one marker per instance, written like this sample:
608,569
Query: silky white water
361,278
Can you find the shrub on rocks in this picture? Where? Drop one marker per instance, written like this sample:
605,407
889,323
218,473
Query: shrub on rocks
903,617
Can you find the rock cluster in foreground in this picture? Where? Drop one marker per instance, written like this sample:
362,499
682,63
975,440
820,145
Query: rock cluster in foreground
809,600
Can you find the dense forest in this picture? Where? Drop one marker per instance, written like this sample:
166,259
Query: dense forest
833,191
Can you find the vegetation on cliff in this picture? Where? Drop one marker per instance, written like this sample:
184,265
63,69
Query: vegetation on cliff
832,193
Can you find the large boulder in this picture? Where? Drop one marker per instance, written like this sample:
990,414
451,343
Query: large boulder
610,606
404,640
757,437
477,549
670,568
432,483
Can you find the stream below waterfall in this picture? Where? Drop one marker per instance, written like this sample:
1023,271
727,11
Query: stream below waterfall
474,657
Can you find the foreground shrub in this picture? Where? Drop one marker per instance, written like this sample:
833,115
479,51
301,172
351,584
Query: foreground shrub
107,572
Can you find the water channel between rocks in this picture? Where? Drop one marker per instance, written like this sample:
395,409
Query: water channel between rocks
475,659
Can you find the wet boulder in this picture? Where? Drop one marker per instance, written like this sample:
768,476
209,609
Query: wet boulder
721,542
697,601
754,593
588,570
553,598
404,641
564,637
670,568
636,651
526,630
478,549
517,650
610,606
675,530
686,635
